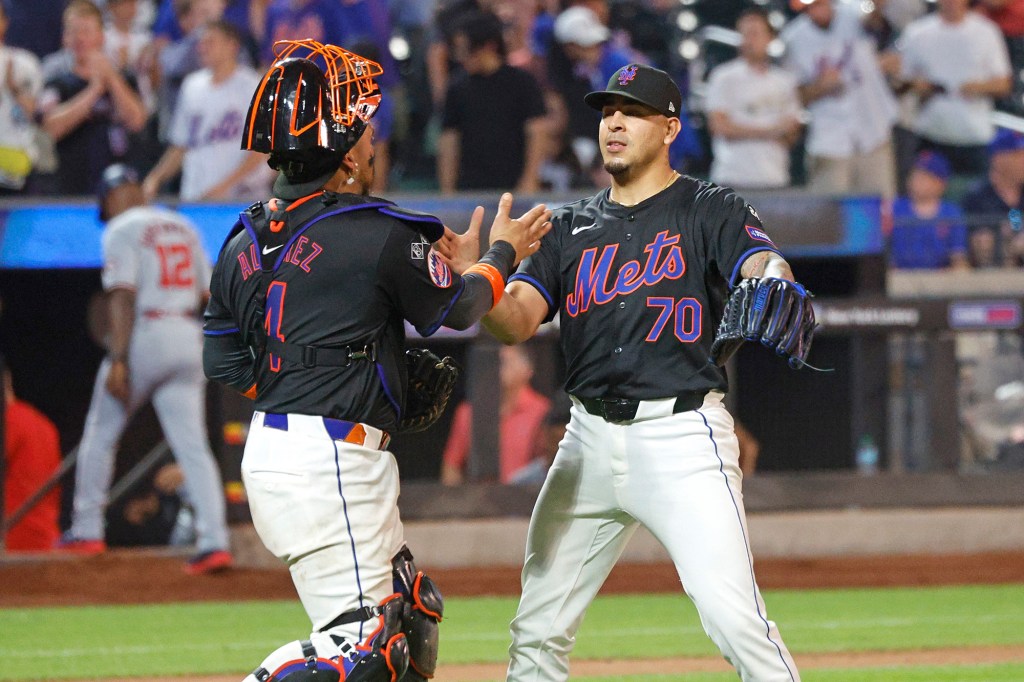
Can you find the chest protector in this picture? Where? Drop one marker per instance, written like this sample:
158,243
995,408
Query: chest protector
274,227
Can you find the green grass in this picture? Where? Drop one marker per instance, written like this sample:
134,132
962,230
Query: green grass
212,638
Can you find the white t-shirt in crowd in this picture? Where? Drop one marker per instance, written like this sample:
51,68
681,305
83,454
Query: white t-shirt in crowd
157,253
757,98
208,121
860,118
951,55
17,129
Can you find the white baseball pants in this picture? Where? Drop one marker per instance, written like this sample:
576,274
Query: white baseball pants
165,365
329,509
677,475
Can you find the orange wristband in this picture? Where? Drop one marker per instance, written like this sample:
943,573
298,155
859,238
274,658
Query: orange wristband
493,276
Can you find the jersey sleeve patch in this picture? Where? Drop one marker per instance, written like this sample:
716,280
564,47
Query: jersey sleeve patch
418,249
440,275
758,234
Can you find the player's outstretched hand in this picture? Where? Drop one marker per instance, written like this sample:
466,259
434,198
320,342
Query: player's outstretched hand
523,233
459,251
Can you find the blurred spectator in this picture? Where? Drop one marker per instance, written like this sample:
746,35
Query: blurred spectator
899,13
552,433
994,207
580,60
322,20
35,25
956,63
154,515
248,16
523,412
753,112
337,22
32,455
128,45
927,231
992,400
88,107
647,24
494,127
879,27
849,137
176,59
561,170
207,126
20,82
442,65
125,40
1008,15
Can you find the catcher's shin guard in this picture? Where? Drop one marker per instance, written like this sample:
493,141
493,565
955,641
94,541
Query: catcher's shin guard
384,654
382,657
424,609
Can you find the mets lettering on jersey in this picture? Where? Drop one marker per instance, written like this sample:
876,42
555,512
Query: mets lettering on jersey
593,283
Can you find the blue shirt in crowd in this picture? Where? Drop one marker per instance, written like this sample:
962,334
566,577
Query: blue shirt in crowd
918,243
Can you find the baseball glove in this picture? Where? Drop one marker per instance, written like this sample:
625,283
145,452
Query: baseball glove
775,311
431,381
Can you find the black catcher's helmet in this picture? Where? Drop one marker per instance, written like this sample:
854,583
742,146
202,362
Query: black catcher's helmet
311,107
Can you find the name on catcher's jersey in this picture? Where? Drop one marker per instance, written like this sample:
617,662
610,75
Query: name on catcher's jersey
640,289
347,280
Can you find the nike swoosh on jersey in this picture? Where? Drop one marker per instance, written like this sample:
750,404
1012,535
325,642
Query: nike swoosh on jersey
268,251
584,228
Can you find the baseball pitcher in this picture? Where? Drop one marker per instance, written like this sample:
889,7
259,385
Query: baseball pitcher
638,275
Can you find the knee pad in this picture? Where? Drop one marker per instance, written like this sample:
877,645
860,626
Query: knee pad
423,610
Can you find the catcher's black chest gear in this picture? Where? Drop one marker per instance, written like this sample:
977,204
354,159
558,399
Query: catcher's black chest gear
640,289
326,315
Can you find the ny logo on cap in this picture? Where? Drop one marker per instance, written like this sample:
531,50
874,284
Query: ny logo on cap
627,74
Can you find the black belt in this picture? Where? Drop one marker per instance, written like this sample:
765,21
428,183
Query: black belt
321,356
624,409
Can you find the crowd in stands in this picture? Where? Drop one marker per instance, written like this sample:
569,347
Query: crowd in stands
892,98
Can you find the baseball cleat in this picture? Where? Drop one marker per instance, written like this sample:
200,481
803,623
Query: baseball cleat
85,547
209,562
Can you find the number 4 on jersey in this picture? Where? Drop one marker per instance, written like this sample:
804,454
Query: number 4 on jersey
272,321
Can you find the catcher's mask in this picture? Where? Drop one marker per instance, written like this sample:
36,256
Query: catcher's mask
310,108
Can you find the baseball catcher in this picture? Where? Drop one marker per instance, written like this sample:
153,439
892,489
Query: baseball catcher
308,304
776,312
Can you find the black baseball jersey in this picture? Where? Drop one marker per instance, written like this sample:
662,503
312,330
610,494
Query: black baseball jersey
347,278
640,289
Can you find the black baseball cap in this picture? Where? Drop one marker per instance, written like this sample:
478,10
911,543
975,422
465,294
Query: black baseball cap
113,177
644,84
